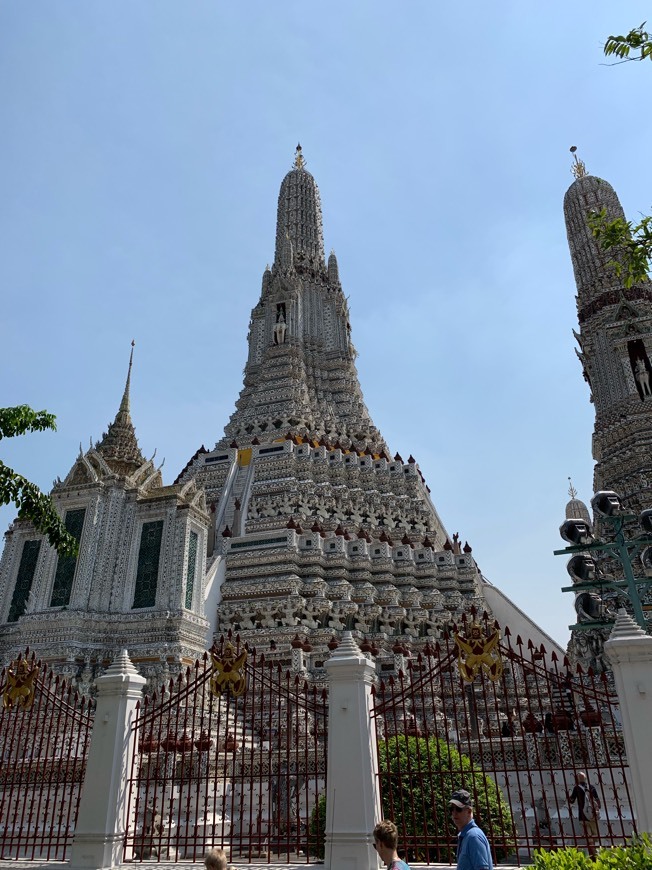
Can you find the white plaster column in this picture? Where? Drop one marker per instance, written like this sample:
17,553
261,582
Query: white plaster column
629,649
353,797
102,811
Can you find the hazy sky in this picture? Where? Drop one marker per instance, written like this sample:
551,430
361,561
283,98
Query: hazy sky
142,149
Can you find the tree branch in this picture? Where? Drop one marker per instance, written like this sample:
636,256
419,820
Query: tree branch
22,419
38,508
631,244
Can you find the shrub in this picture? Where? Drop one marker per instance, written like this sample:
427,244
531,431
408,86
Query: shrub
317,828
636,855
563,859
419,774
418,805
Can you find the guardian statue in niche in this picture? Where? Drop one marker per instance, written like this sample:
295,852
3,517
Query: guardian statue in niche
643,377
280,327
280,330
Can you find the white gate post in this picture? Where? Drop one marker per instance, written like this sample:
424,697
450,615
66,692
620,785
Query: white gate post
629,650
102,811
352,798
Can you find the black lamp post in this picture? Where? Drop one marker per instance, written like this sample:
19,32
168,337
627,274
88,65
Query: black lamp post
583,569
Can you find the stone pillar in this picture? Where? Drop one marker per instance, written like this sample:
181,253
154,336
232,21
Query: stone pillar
353,797
629,649
102,811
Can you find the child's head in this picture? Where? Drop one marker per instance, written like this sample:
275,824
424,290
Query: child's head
215,859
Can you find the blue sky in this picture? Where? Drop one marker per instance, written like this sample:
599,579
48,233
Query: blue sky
142,148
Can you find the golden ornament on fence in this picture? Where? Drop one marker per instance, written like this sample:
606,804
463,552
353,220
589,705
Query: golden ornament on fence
20,689
228,672
479,651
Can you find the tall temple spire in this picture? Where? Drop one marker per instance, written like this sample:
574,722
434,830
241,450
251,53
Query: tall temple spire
118,445
615,352
300,374
592,265
299,216
318,530
576,509
615,346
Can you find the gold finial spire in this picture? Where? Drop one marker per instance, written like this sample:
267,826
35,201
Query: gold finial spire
579,167
571,489
299,162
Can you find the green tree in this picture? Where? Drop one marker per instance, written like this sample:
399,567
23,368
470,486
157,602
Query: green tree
631,243
418,776
31,503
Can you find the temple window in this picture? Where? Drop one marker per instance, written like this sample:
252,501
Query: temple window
191,568
148,561
23,587
66,565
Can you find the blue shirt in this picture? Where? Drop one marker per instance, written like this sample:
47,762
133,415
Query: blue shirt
473,852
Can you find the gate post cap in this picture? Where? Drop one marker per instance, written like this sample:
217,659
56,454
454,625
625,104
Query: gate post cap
347,647
122,664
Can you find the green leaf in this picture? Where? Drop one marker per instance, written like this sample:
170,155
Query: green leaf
630,243
22,419
637,39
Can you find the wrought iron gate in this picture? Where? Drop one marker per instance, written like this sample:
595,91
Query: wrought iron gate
511,725
232,756
45,730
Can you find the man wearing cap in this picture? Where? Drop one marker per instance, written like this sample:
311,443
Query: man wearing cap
473,851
